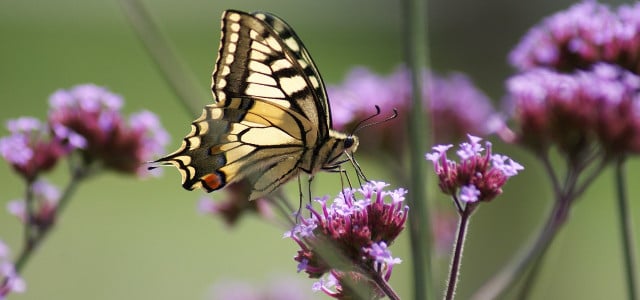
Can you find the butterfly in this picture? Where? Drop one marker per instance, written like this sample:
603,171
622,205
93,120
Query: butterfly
271,118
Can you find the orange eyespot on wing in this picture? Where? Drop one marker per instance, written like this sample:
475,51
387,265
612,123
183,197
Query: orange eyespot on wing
212,182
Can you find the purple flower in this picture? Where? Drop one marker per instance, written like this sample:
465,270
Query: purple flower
93,112
382,256
45,199
478,176
280,288
10,280
352,230
575,111
29,149
235,205
453,104
582,35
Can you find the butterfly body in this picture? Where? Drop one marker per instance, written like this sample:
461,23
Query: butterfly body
271,118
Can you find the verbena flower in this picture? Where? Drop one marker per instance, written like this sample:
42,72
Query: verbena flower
347,285
94,113
452,103
10,280
600,106
478,176
279,288
235,205
45,199
31,148
584,34
349,237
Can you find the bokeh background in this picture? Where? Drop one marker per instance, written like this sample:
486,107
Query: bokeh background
124,238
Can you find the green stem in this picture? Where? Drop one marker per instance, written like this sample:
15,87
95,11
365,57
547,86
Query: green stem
454,272
179,78
498,284
626,229
419,225
40,234
28,226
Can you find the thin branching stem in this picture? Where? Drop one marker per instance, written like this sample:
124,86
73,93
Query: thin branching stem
41,233
179,78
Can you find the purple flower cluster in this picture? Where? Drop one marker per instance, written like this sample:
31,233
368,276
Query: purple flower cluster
94,113
478,177
584,34
444,99
86,118
574,111
10,280
31,148
278,288
348,238
45,197
235,204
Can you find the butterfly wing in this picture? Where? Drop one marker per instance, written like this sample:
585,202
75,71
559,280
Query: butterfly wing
261,57
249,139
271,108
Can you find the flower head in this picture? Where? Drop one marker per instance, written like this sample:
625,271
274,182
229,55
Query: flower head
93,112
30,149
351,234
236,204
45,198
584,34
10,280
574,111
452,102
479,176
278,288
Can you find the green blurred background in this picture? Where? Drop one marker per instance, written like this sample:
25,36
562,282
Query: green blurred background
123,238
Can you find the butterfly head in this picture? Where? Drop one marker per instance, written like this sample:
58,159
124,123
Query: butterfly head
337,145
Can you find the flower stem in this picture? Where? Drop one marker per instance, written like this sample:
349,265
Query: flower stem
384,286
39,234
28,226
419,222
533,252
626,228
456,260
180,80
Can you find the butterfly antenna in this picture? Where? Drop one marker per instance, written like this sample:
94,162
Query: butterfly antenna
361,124
357,127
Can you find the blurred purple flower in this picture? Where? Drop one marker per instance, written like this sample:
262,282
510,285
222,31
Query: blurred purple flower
94,113
279,288
453,104
10,280
584,34
45,199
235,205
477,177
574,111
29,148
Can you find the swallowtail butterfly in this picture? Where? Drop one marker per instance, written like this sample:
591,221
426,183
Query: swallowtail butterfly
270,119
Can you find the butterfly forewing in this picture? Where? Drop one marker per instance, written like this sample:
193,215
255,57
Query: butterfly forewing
261,57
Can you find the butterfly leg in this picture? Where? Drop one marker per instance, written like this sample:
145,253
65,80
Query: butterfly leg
309,191
299,200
